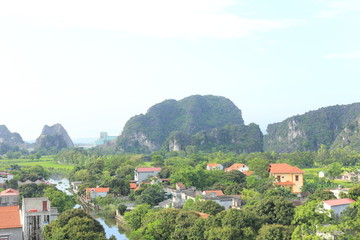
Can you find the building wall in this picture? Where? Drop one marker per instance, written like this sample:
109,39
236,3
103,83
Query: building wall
142,176
337,209
9,201
11,233
97,194
292,178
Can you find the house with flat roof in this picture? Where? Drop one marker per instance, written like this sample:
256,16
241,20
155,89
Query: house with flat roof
5,176
9,197
10,223
141,174
35,214
287,176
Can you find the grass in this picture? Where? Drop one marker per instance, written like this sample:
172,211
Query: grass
46,162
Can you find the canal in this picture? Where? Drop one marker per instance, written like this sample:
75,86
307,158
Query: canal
111,226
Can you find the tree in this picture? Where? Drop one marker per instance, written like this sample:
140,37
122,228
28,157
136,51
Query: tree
74,224
122,209
334,169
207,206
59,199
321,195
274,210
136,217
260,166
275,232
354,192
152,195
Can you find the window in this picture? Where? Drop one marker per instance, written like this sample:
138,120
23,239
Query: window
296,178
4,237
44,203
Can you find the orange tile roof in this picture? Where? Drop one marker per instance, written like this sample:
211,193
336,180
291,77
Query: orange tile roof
218,192
132,185
181,185
213,164
336,202
287,183
202,215
10,217
149,169
283,168
248,173
97,189
9,192
235,166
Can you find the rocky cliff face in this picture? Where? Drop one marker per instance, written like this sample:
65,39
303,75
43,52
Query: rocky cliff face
9,138
234,138
308,131
54,137
148,132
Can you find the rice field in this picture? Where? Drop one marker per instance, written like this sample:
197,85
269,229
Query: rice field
46,162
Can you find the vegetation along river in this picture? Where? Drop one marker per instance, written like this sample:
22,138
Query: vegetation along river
110,224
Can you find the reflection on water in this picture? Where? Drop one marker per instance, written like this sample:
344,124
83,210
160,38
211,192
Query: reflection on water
109,223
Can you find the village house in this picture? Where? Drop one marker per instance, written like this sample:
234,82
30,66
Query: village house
142,174
339,190
214,166
349,176
337,205
237,167
10,224
181,195
9,197
92,193
35,214
287,176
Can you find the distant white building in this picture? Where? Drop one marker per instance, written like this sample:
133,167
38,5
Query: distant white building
337,205
321,174
5,176
35,214
339,190
214,166
141,174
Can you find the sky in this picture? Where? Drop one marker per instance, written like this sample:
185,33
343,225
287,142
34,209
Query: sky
92,65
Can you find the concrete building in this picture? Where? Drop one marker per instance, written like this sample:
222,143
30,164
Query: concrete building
92,193
9,197
10,224
75,186
287,176
337,205
141,174
104,138
214,166
35,214
237,167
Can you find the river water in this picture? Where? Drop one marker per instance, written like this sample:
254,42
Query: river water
110,225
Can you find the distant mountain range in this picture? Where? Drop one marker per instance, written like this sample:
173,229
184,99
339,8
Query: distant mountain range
212,123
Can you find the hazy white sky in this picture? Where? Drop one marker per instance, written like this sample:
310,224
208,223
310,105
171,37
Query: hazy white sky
91,65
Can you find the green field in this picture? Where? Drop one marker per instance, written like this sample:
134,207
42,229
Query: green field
46,162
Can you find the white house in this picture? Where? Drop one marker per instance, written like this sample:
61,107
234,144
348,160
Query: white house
337,205
5,176
237,167
92,193
321,174
214,166
141,174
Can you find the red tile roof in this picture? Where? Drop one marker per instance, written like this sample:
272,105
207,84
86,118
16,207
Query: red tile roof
218,192
213,164
10,217
235,166
340,201
287,183
150,169
97,189
132,185
202,215
283,168
9,192
248,173
181,185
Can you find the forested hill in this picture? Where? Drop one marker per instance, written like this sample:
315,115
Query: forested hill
187,117
335,126
9,140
